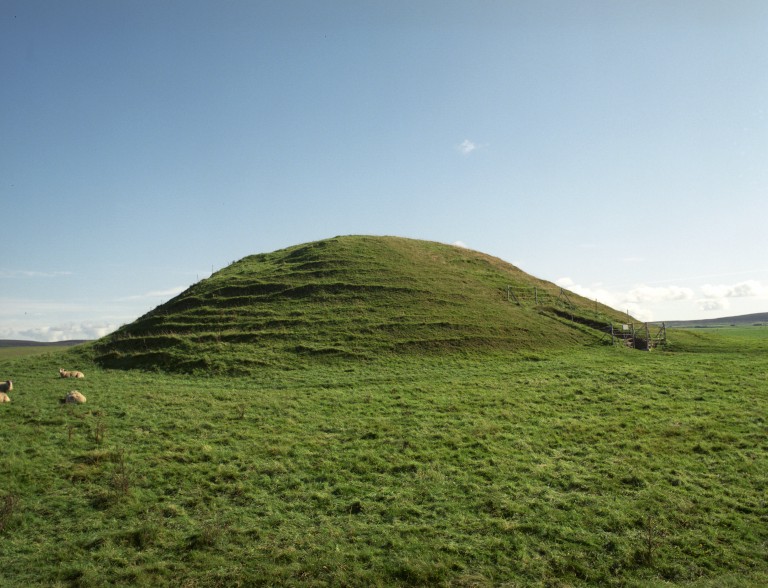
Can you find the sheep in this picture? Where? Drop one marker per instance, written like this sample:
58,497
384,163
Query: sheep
73,374
6,386
4,397
74,397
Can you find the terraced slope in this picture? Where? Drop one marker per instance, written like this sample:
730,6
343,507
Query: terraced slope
354,297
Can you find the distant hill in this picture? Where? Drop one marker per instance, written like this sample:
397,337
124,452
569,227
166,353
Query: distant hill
353,297
20,343
741,320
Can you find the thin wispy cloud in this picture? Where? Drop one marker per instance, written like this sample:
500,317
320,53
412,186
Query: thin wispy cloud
10,274
169,293
20,307
466,147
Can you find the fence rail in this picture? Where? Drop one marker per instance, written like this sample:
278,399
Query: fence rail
638,336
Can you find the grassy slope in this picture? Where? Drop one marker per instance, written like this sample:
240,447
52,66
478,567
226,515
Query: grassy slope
355,297
596,466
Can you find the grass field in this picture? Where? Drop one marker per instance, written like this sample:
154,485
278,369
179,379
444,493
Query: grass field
591,466
12,352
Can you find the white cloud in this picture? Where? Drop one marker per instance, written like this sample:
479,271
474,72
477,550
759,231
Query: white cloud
467,146
461,244
642,301
718,296
710,304
655,302
169,293
644,293
62,332
595,292
744,289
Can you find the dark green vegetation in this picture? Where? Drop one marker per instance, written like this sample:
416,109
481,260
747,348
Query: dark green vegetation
353,297
520,460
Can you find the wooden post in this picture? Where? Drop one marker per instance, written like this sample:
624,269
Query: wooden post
536,295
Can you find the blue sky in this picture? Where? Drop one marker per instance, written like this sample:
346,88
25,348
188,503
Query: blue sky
616,148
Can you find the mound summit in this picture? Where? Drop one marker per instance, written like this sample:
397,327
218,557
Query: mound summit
353,297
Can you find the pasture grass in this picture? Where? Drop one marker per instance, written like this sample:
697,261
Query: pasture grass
27,350
597,466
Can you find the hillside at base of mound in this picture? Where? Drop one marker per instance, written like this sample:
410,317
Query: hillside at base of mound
353,297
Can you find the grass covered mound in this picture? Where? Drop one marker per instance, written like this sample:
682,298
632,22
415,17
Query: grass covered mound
353,297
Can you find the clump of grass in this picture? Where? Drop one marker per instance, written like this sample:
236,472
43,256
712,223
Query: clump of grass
121,478
9,504
208,534
99,432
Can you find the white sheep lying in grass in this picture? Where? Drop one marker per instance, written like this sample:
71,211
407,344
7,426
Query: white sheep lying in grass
6,386
74,397
4,397
73,374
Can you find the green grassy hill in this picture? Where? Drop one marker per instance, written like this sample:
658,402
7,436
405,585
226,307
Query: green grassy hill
353,296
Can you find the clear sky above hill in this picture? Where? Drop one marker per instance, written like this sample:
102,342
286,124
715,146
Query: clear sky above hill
617,148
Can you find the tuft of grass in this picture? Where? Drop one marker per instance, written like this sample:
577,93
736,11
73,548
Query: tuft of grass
9,505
